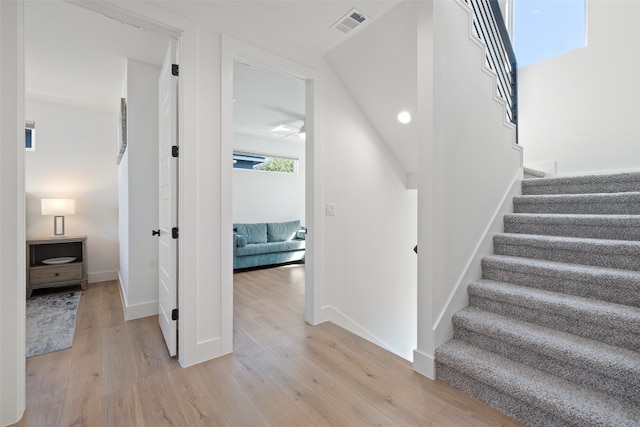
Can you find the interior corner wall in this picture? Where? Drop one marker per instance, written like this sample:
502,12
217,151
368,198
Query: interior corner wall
138,180
74,157
369,267
581,109
269,196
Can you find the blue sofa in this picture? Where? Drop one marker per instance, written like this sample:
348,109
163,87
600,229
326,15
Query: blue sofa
262,244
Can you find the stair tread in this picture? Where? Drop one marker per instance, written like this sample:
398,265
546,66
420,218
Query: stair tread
614,361
613,246
571,402
596,311
631,196
576,179
582,219
629,279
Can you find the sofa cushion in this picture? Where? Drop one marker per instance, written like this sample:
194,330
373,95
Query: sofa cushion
254,232
282,231
265,248
241,240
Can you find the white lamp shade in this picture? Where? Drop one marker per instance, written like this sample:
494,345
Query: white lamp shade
58,206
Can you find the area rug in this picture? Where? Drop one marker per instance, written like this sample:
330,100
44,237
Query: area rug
51,322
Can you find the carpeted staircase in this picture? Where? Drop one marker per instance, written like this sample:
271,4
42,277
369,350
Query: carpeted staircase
551,336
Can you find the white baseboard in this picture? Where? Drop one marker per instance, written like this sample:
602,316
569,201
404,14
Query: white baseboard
136,311
424,364
102,276
205,350
331,314
549,167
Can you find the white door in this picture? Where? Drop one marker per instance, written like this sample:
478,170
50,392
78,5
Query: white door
168,202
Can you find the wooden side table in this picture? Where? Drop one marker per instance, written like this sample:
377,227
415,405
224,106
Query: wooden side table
56,261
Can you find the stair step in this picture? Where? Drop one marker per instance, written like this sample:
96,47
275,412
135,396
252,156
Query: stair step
598,203
600,366
614,324
610,183
598,252
528,394
606,284
613,227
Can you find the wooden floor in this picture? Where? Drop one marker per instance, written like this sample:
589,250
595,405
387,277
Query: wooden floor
283,372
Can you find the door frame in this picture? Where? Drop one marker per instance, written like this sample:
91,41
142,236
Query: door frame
233,50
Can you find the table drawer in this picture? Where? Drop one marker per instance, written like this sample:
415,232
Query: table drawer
61,273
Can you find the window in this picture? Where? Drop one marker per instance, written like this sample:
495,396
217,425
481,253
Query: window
543,29
264,162
30,136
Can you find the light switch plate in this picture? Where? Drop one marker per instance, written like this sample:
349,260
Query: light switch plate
331,209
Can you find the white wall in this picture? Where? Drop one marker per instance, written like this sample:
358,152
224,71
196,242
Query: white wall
12,214
369,267
469,165
260,196
75,158
138,174
581,109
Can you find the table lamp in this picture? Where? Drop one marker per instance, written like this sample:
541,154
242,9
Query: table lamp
58,208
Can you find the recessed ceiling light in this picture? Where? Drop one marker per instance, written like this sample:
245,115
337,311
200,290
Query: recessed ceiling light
404,117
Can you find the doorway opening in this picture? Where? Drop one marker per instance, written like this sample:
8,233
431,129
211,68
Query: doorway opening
78,149
268,181
291,123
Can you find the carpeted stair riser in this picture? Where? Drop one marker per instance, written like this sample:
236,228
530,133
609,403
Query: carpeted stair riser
581,204
612,285
515,408
603,253
598,366
580,327
612,183
472,368
610,227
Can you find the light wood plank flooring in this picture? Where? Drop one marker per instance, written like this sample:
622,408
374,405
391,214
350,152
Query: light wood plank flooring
283,372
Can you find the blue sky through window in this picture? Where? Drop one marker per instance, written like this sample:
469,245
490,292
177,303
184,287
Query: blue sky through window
547,28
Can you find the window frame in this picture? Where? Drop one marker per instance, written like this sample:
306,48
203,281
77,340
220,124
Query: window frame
30,128
265,157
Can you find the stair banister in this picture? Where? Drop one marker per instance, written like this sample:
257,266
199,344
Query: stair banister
489,26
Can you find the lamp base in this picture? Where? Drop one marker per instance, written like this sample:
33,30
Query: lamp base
58,226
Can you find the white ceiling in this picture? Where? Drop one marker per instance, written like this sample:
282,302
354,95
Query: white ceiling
300,25
77,56
267,103
384,80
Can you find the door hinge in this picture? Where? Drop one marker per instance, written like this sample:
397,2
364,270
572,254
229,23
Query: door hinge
174,232
175,151
174,314
175,70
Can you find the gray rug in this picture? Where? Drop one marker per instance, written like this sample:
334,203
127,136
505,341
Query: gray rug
51,322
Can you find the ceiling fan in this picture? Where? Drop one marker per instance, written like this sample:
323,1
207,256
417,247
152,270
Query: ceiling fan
288,127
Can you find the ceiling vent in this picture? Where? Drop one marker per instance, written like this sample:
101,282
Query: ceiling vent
350,21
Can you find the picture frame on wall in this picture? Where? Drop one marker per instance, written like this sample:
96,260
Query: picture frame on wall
121,140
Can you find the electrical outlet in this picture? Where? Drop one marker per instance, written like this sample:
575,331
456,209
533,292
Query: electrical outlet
331,209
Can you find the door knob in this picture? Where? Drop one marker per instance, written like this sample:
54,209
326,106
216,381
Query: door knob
155,232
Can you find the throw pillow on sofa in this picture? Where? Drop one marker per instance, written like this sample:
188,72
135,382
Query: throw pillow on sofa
282,231
241,240
255,233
